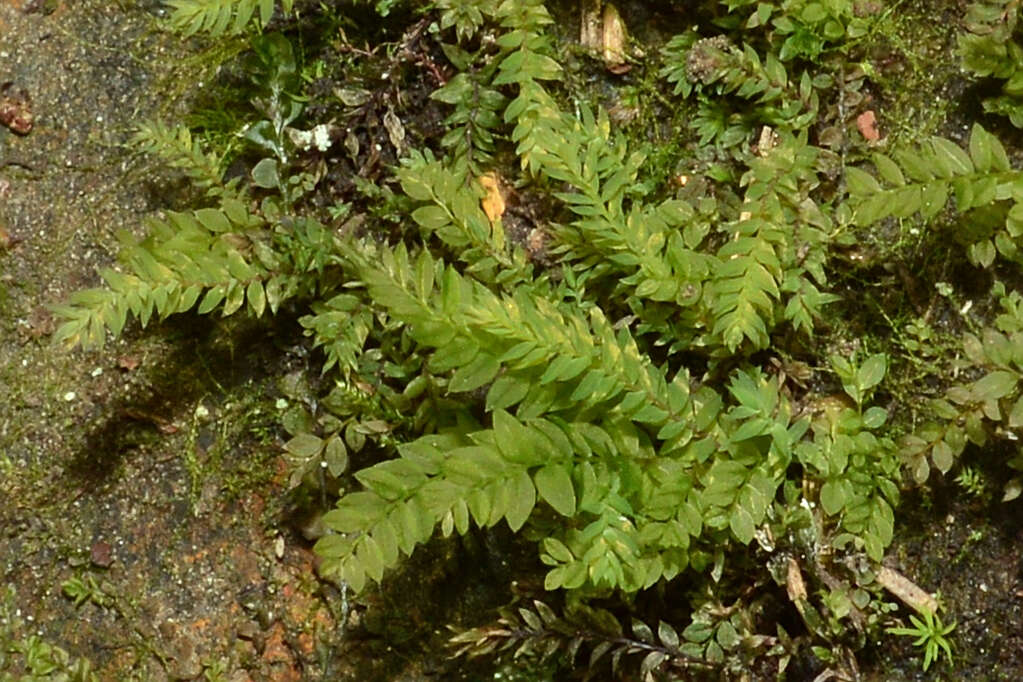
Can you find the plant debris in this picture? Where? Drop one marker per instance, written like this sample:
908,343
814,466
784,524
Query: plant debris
16,108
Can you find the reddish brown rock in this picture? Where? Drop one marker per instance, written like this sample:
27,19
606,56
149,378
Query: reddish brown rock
15,108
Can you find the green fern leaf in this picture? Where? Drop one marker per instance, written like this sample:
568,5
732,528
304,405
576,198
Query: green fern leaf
220,17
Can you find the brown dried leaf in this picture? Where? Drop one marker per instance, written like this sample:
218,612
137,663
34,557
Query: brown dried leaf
162,424
794,584
6,241
906,590
493,203
395,131
614,37
867,124
591,30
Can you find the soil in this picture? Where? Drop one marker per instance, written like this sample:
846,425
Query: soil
150,472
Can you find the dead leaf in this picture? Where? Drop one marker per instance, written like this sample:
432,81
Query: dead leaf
41,322
867,124
101,554
768,141
613,41
794,584
590,30
395,131
6,241
493,203
906,590
163,425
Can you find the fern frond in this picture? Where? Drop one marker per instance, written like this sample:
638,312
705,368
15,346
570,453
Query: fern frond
535,114
452,211
554,359
466,16
340,326
209,258
221,17
486,477
476,115
921,181
745,287
179,150
987,49
715,66
860,479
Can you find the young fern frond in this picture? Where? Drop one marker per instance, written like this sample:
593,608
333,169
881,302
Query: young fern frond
217,258
221,17
176,147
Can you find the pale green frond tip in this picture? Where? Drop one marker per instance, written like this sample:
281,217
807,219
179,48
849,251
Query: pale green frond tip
217,18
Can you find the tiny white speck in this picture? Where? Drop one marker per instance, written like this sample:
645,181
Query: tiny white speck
96,372
281,404
69,396
201,412
966,307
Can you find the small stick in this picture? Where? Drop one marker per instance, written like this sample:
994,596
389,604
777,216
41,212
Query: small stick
907,591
